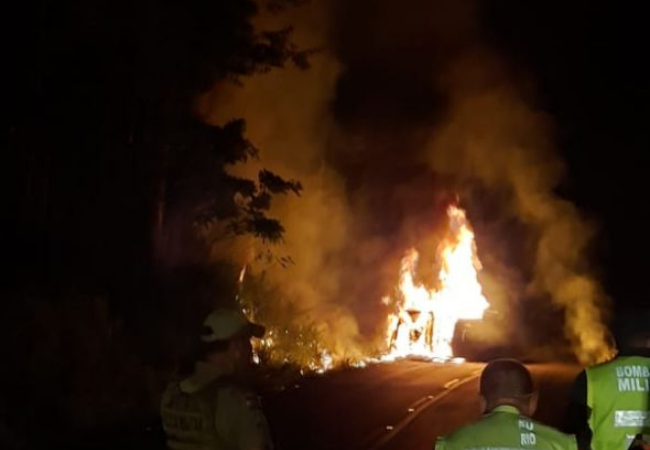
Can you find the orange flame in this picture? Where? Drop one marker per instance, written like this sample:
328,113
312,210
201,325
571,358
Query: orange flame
426,319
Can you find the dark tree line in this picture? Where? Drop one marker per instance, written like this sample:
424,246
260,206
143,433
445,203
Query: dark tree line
109,171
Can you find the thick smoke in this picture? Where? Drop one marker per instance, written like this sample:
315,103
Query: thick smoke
491,136
288,120
425,70
404,109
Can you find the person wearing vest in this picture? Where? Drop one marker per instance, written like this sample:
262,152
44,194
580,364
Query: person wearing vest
609,404
211,409
508,400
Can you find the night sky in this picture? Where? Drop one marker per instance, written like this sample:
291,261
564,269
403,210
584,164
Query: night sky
590,67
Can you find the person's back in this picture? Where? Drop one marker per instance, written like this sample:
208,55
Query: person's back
618,396
212,408
609,404
508,399
207,412
505,428
188,417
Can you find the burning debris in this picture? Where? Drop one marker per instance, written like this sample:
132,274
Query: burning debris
426,318
302,344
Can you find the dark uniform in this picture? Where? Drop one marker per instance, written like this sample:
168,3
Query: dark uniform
206,412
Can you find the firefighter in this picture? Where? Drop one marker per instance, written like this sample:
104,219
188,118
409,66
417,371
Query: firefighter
212,408
508,400
609,404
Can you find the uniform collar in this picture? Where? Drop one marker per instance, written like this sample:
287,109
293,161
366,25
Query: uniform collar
203,375
506,409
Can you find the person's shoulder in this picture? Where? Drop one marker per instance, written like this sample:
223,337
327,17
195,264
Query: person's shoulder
621,359
472,429
600,368
172,389
604,364
554,435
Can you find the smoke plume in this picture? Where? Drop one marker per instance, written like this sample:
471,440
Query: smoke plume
490,135
405,108
288,120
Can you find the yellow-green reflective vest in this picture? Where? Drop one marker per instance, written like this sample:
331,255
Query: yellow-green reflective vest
617,394
504,428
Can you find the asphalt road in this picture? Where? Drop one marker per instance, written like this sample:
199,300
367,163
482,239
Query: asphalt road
402,405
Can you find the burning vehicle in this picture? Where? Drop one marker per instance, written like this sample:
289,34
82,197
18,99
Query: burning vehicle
425,324
471,339
442,321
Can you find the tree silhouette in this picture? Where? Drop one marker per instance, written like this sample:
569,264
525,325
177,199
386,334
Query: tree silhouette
105,153
102,135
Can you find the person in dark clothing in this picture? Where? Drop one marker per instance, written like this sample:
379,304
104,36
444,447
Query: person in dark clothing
576,421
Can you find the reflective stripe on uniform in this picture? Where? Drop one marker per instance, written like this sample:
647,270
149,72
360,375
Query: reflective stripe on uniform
631,418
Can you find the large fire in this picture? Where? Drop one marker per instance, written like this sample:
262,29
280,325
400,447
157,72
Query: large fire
425,320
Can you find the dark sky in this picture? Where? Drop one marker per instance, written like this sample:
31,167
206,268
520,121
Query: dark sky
590,62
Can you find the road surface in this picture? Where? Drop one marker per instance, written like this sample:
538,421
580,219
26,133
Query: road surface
402,405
